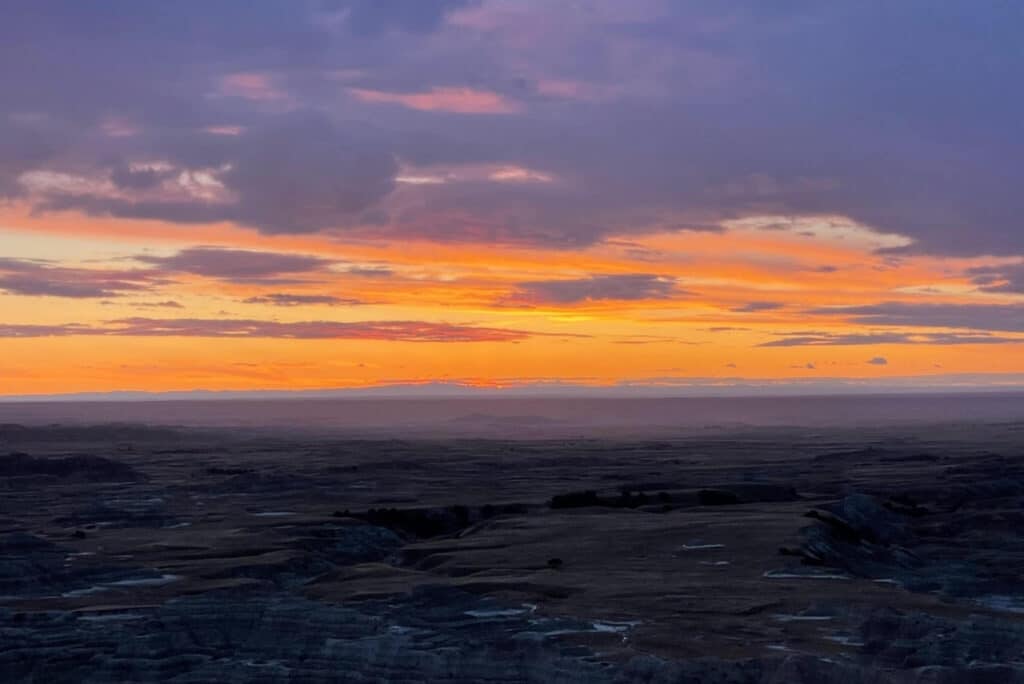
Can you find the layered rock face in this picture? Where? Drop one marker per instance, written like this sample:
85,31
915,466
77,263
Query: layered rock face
441,635
434,635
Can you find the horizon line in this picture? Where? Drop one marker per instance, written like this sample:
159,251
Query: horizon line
696,388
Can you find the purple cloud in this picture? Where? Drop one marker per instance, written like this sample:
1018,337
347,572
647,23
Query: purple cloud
717,114
298,173
166,304
858,339
624,287
236,265
26,330
998,317
755,307
403,331
127,179
373,17
304,175
287,299
44,278
370,271
1009,278
397,331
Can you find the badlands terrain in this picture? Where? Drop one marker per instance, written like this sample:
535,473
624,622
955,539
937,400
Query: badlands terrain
136,553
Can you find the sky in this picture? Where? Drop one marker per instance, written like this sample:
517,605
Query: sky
305,194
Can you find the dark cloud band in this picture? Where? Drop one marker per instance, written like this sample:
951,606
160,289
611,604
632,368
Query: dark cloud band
398,331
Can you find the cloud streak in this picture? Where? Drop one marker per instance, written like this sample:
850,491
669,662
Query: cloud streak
597,288
291,299
296,173
454,100
33,277
46,279
870,339
997,317
757,307
1006,279
395,331
236,265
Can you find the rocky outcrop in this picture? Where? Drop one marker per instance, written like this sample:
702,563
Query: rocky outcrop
462,563
433,521
144,514
434,635
349,544
664,501
87,467
431,636
245,481
442,635
33,566
916,545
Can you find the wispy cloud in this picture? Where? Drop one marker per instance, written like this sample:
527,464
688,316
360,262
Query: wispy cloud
860,339
998,317
45,278
453,100
236,265
1007,278
647,129
166,304
755,307
252,86
291,299
400,331
618,287
370,271
59,330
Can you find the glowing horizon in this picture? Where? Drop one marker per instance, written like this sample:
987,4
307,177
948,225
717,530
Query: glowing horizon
334,215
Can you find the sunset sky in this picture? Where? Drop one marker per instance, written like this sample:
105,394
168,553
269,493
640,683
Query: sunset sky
293,194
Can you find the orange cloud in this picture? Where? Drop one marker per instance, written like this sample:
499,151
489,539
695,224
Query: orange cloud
444,99
252,86
745,302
